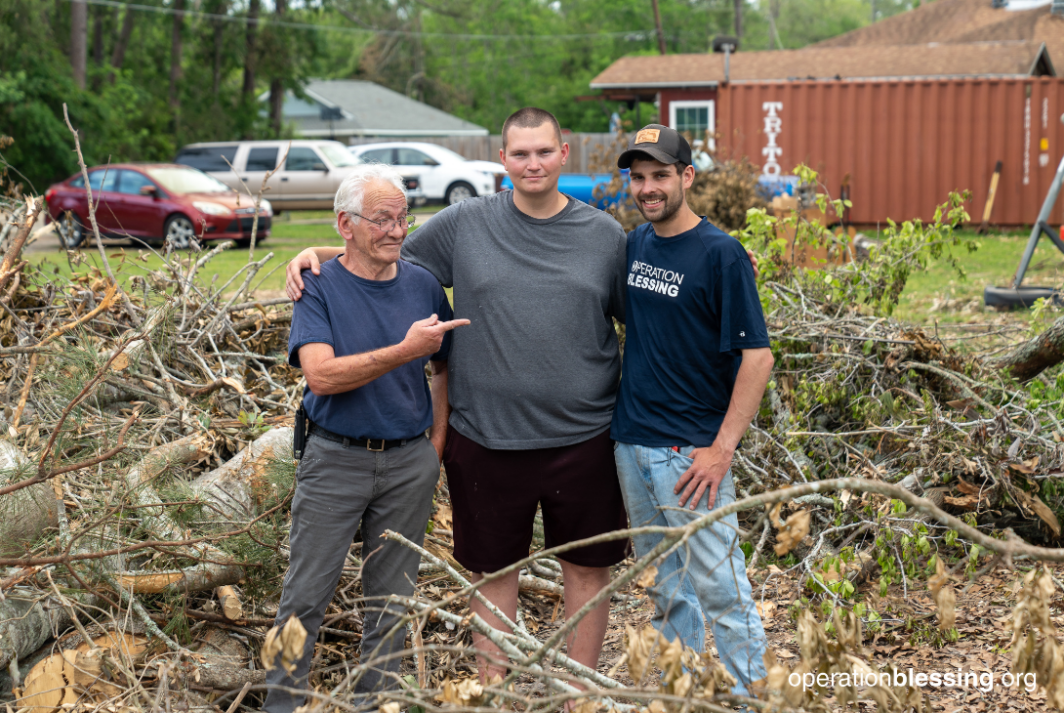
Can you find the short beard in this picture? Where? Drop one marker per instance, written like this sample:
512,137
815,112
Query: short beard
670,209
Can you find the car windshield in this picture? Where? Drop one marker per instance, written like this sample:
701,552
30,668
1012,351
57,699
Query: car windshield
187,180
337,155
445,154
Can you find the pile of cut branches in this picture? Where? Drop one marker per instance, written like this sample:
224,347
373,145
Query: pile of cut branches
146,473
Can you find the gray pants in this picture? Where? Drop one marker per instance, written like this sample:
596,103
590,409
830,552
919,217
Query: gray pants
336,489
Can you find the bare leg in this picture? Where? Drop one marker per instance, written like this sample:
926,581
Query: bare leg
581,584
503,594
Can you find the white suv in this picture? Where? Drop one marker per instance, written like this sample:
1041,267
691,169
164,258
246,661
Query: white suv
445,175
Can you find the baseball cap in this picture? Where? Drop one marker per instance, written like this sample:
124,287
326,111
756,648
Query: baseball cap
660,143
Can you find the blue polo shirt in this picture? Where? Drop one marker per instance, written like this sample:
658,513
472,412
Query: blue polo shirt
691,307
355,316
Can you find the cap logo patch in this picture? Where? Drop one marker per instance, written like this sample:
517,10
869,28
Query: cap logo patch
647,136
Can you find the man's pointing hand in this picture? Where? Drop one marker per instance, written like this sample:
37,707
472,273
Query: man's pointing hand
426,335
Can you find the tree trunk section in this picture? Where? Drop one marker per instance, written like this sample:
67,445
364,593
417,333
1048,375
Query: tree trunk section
24,514
175,57
119,54
27,621
738,19
657,26
249,54
79,40
277,84
1035,356
235,486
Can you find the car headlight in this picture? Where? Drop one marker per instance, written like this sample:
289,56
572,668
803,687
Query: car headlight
265,207
211,208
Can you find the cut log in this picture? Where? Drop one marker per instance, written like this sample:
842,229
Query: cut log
238,487
79,672
232,609
24,514
139,480
1035,356
236,491
27,621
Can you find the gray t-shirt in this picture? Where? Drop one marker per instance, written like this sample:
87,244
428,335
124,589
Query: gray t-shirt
538,367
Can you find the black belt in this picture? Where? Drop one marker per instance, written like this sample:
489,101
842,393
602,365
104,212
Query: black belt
370,444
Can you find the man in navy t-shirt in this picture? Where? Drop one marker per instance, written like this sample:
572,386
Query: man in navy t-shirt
696,361
363,333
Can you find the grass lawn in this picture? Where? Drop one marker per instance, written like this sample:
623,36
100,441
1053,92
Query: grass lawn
291,233
994,263
937,294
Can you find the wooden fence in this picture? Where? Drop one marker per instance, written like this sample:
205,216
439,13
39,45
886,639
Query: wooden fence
583,149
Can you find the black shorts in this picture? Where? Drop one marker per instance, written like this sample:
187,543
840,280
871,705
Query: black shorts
494,494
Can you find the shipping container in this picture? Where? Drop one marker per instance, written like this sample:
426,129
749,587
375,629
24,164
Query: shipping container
903,145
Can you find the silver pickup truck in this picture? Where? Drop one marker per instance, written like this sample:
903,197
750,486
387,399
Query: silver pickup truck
307,172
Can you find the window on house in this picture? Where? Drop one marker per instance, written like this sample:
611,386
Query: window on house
693,117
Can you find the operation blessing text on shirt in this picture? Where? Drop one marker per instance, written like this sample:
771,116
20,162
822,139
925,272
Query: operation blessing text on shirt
655,279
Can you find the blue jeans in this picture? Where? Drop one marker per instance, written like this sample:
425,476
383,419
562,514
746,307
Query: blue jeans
707,577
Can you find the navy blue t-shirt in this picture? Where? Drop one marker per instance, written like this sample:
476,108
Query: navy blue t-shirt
355,316
691,307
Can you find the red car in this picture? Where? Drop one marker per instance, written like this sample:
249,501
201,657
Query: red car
155,202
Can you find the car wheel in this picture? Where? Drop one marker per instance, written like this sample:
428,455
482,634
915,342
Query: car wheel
71,231
179,232
458,192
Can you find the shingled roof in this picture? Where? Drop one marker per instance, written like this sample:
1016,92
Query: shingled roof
344,107
1007,58
960,21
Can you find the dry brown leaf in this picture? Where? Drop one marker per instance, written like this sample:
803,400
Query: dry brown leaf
1034,503
120,362
235,384
390,707
792,532
670,661
944,596
766,609
287,641
968,502
444,517
639,649
774,515
467,692
647,577
1027,467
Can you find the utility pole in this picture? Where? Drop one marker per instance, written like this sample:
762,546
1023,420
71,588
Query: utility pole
79,40
657,24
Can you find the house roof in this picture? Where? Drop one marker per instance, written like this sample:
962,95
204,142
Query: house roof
960,21
363,108
971,59
955,21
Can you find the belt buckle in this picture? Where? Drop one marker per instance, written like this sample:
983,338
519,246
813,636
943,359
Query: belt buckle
369,445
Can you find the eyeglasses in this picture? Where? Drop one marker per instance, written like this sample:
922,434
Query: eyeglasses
388,225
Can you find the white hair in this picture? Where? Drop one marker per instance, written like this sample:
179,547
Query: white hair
352,191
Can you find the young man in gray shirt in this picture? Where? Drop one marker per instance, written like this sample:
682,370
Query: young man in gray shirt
532,380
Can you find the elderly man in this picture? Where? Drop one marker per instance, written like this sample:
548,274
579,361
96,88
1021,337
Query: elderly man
696,362
362,333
